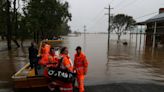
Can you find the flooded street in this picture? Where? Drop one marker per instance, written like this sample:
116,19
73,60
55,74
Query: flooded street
132,63
122,64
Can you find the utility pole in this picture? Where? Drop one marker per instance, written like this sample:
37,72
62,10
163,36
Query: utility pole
85,29
109,8
84,36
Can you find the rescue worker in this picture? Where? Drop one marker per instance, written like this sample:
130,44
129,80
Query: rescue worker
33,52
52,62
65,64
45,50
81,67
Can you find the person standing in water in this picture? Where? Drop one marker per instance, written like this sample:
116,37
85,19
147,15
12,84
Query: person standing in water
33,52
81,67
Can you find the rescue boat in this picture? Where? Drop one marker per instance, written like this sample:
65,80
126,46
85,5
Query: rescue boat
26,77
60,40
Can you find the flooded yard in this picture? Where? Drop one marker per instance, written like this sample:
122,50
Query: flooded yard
131,63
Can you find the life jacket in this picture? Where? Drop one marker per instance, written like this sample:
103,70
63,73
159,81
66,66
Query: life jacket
64,71
66,63
45,55
52,63
80,63
61,76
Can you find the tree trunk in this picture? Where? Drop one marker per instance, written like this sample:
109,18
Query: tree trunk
16,42
119,37
15,26
42,35
34,35
14,17
8,25
37,37
2,37
22,42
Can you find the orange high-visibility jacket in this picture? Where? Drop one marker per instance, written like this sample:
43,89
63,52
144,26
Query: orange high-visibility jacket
45,54
66,63
80,63
53,61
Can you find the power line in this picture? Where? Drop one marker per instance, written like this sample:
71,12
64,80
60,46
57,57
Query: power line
127,5
98,14
145,15
111,1
97,18
130,3
97,21
119,4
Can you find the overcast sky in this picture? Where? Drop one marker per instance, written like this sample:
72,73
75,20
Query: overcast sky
92,13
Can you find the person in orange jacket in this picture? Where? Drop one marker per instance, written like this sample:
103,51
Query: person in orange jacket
81,67
52,62
45,52
52,59
65,64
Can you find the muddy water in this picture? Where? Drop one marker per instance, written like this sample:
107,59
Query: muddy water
133,63
10,62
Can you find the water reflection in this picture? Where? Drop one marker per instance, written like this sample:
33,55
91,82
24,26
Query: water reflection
84,42
108,60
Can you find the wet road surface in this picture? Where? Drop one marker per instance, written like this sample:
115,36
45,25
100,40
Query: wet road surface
119,87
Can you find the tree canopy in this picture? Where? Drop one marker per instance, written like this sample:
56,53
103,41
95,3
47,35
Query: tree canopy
46,18
37,19
121,23
2,18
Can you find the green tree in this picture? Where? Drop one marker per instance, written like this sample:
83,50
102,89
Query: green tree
122,23
8,23
40,19
2,19
23,31
63,29
8,20
45,17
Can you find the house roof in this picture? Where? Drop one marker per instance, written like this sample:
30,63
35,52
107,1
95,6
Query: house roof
156,18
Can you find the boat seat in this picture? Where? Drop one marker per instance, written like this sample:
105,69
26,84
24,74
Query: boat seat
31,73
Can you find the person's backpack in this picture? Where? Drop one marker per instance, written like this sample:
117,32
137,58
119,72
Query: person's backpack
61,74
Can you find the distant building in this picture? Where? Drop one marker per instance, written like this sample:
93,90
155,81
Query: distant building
155,29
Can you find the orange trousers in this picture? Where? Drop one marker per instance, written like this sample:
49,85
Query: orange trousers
80,80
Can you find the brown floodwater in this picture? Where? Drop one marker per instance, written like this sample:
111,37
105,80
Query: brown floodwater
132,63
